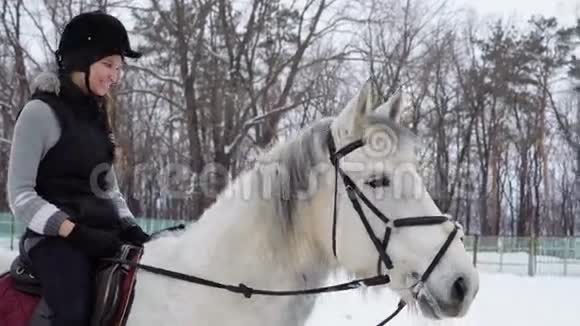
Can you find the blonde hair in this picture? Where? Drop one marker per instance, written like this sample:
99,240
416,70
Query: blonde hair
106,112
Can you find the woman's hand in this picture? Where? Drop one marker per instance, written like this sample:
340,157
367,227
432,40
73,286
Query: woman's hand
94,242
135,235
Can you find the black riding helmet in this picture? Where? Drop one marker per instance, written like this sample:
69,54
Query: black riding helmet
88,38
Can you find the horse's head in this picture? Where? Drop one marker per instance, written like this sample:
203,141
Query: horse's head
381,201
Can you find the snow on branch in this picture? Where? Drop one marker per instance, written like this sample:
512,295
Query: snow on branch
255,121
167,79
158,95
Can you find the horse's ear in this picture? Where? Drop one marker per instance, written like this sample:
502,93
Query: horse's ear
365,101
393,107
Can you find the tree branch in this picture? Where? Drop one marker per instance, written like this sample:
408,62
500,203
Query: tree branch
166,79
564,125
147,92
257,120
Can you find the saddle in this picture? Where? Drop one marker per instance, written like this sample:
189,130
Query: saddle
115,284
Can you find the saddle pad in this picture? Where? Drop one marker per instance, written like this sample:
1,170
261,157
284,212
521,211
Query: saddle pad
128,291
115,289
16,307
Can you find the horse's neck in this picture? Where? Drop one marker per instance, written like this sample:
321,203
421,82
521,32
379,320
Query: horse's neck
237,242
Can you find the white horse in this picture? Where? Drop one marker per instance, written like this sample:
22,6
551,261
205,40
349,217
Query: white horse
288,224
273,228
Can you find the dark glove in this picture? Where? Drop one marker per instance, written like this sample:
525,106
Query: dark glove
135,235
94,242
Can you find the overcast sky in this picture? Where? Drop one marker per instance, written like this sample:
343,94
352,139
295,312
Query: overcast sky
565,10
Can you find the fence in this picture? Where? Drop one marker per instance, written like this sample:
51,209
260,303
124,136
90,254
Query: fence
558,256
10,229
516,255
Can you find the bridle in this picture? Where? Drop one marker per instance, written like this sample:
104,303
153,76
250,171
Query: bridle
354,194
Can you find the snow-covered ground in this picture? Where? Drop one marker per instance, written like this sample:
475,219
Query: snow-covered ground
5,243
6,258
504,299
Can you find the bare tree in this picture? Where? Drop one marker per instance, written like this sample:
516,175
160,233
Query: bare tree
220,82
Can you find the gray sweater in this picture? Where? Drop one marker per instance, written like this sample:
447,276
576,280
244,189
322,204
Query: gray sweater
36,131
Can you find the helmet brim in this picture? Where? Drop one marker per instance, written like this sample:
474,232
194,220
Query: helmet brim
132,54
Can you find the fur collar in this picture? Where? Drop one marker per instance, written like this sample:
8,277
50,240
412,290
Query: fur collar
46,81
64,88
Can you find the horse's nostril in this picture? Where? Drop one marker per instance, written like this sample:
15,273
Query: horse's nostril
459,289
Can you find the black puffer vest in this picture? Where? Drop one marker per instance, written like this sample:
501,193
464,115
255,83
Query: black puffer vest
72,173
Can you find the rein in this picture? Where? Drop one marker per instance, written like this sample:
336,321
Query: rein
353,192
247,291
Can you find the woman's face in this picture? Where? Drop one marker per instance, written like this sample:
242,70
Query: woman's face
105,73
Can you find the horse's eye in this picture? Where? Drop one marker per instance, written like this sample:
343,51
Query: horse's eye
379,182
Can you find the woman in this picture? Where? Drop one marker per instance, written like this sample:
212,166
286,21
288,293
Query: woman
61,183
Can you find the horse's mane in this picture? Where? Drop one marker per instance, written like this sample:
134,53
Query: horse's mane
287,171
288,168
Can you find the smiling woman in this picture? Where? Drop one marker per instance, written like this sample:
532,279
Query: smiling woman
61,182
102,76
